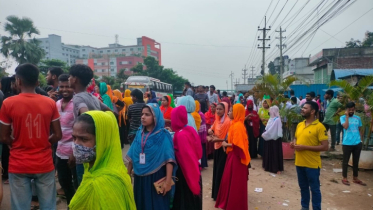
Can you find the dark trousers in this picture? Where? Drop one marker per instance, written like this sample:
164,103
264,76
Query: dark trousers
333,133
308,178
338,134
67,178
355,150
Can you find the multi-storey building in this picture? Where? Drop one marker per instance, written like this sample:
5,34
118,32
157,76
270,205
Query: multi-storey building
346,59
106,60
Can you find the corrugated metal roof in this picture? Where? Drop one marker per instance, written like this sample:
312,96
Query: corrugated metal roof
339,73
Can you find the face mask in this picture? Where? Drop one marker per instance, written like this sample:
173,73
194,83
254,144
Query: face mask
83,154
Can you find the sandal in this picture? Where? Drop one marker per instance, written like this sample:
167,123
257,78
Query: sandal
359,182
346,182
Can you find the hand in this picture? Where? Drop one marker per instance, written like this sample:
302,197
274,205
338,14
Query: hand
168,128
52,94
209,138
166,187
347,113
71,162
299,147
292,145
210,132
224,144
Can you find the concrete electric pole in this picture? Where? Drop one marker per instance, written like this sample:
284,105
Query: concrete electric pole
252,71
231,76
281,46
244,74
263,47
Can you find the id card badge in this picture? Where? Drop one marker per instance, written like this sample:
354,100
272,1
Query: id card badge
142,158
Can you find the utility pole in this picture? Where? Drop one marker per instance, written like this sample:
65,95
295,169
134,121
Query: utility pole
281,46
252,71
237,81
227,84
263,47
231,76
244,75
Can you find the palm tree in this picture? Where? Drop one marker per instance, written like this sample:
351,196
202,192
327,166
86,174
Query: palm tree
270,85
17,45
361,94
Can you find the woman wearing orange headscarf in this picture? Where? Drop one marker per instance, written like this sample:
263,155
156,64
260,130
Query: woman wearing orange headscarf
128,102
121,117
196,116
218,133
166,110
233,188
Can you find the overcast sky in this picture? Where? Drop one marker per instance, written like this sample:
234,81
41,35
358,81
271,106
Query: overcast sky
203,40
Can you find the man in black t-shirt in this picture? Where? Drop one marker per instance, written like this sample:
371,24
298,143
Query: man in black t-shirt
203,99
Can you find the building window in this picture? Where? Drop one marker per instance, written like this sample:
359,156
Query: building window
123,49
111,63
95,64
83,50
46,47
116,50
112,69
63,49
101,51
93,50
95,70
108,50
103,64
139,49
63,53
102,70
131,49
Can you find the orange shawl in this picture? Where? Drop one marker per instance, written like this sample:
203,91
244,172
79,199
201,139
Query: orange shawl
221,126
109,92
196,116
167,111
122,112
237,135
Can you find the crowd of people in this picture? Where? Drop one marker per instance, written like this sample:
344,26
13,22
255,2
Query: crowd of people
77,129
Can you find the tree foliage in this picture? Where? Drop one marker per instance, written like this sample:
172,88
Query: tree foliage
115,82
46,64
270,85
367,42
153,69
17,44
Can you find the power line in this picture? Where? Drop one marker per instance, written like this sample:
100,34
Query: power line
273,10
344,28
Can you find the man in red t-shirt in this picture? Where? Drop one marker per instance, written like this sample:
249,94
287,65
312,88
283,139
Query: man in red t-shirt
25,124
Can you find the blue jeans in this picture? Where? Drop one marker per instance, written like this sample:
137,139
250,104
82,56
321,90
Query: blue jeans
21,190
309,178
79,173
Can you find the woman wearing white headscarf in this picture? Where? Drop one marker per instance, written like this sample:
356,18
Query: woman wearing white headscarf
273,159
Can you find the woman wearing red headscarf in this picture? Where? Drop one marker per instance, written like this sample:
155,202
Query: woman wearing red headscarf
166,110
210,119
252,126
233,188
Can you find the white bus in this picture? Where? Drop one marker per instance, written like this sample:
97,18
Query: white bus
145,84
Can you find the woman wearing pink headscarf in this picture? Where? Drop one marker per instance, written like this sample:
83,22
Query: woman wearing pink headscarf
188,152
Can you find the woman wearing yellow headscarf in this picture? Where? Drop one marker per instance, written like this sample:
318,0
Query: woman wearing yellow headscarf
121,117
264,117
196,116
127,98
106,183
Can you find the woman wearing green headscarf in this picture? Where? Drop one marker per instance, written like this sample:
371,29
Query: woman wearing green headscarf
106,183
105,98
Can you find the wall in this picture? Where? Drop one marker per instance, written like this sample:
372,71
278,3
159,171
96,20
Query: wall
150,48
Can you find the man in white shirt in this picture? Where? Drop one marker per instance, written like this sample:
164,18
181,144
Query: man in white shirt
213,97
